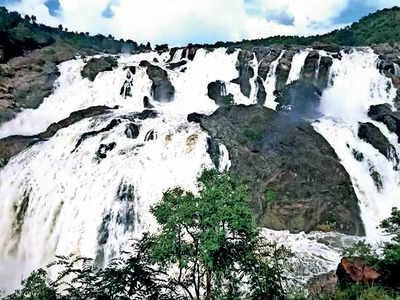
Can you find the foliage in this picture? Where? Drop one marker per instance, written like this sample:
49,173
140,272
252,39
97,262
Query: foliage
214,243
385,259
35,287
207,247
380,27
19,34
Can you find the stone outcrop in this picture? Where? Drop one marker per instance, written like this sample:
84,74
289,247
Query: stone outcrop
265,56
246,72
161,89
216,90
371,134
351,270
281,160
383,113
301,98
323,285
12,145
26,80
97,65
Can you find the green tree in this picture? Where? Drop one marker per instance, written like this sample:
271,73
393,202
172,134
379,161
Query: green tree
35,287
212,242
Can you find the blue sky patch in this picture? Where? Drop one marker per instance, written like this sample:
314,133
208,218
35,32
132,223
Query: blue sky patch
53,6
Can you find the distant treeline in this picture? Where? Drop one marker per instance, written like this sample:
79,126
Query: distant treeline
382,26
20,34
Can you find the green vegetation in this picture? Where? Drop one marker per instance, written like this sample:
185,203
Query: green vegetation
207,247
21,34
385,259
270,196
380,27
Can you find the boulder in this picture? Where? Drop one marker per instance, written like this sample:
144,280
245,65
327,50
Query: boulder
97,65
161,89
132,131
283,69
351,270
301,98
246,72
216,90
281,159
12,145
371,134
104,149
114,123
323,285
173,66
383,113
265,56
261,93
146,103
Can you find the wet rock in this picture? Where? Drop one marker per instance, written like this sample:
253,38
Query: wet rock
371,134
213,151
323,285
12,145
146,103
172,53
150,136
195,117
323,74
283,69
246,72
132,69
126,89
146,114
261,93
98,65
281,159
326,47
162,90
114,123
311,64
104,149
132,131
265,56
301,98
189,52
396,100
355,270
216,90
173,66
383,113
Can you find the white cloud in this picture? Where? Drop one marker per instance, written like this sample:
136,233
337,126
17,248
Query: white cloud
183,21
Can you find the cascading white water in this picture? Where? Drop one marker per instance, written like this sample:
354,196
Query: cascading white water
297,65
356,85
270,83
78,203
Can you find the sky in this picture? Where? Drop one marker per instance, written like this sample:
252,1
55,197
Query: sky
179,22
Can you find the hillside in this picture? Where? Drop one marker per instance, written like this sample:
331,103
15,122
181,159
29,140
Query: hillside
382,26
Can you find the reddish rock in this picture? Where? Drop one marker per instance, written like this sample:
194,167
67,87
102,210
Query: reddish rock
359,271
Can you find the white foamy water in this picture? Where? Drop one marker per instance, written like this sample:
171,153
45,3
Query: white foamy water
357,84
297,65
94,207
270,83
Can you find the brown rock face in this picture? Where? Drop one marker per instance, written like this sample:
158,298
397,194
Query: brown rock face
295,178
359,271
26,80
325,284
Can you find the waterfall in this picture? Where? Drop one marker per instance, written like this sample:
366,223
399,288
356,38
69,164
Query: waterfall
270,82
356,85
297,65
93,201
